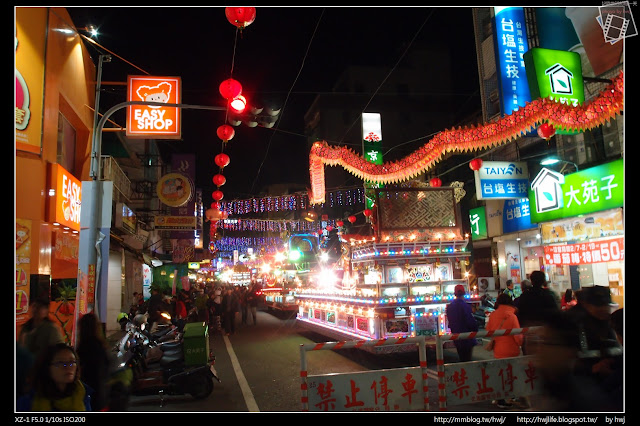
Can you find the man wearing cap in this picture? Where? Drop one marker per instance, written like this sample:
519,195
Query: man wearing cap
461,320
582,348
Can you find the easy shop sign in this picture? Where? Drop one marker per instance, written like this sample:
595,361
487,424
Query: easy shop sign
152,121
511,45
65,197
556,196
502,180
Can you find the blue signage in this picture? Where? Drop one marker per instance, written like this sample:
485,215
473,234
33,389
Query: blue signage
502,179
516,216
511,45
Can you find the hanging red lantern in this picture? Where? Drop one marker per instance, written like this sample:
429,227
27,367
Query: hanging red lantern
340,223
215,205
351,219
475,164
546,131
436,182
367,212
319,231
219,180
217,195
222,160
241,17
230,88
329,228
226,132
214,215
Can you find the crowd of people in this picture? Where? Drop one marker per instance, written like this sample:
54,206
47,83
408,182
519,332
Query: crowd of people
577,342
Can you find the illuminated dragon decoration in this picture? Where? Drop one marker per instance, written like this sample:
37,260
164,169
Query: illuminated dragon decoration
605,106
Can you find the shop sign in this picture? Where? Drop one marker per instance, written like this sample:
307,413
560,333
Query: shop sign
478,221
516,216
556,196
511,45
371,147
555,74
175,222
126,218
153,121
65,197
502,180
174,189
585,253
602,224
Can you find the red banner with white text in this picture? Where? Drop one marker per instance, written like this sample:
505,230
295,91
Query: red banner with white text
585,253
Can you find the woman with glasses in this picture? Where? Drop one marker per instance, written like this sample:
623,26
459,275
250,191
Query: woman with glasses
56,383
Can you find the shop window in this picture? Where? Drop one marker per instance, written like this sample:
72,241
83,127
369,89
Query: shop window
66,149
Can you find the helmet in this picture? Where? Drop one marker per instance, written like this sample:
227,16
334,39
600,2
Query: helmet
122,316
139,319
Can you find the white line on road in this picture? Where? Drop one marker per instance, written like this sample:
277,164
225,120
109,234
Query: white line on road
242,381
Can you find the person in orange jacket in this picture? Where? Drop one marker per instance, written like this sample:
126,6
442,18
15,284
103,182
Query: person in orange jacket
504,317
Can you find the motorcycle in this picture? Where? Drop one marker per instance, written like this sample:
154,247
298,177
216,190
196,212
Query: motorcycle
160,367
483,311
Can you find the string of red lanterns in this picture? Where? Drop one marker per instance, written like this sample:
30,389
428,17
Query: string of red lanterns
231,91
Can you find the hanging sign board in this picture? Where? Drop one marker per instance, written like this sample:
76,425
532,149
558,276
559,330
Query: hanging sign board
502,180
152,121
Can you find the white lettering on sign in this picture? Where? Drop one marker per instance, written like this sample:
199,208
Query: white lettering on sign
152,120
585,253
71,200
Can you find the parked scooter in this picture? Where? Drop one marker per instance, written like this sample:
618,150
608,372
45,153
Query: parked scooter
161,368
482,312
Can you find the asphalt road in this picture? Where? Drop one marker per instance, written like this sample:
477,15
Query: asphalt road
259,367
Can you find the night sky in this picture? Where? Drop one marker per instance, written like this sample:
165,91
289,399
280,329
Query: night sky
291,54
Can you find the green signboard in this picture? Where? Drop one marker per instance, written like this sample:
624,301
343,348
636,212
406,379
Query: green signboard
478,220
555,74
556,196
372,150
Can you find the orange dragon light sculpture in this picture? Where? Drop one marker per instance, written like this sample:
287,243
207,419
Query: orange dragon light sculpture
604,107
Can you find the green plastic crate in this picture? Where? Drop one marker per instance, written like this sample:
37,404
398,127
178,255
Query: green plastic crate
196,343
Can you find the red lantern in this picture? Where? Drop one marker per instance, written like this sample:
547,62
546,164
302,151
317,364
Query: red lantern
215,205
230,88
219,180
222,160
546,131
351,219
340,223
367,212
217,195
226,132
475,164
329,228
319,231
436,182
241,17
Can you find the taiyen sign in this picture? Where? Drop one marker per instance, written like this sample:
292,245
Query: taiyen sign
555,196
152,121
511,45
502,180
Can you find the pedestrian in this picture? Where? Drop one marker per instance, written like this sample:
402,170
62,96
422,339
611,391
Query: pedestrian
525,285
535,307
509,290
461,320
504,317
244,306
581,358
568,300
253,300
56,383
230,307
95,361
217,309
201,306
24,364
155,307
39,332
180,312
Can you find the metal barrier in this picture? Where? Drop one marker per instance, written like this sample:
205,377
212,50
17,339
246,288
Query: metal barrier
386,382
370,402
440,365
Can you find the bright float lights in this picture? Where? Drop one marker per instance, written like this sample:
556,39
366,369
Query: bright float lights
239,103
326,279
324,256
265,268
294,255
280,257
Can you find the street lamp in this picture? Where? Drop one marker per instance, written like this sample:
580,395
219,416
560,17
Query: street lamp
555,160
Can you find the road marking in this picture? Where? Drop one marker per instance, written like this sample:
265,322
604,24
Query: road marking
242,381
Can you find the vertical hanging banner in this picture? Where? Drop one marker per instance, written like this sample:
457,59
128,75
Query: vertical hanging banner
372,149
511,45
153,121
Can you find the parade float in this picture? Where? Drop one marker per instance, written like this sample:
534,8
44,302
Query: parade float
398,281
